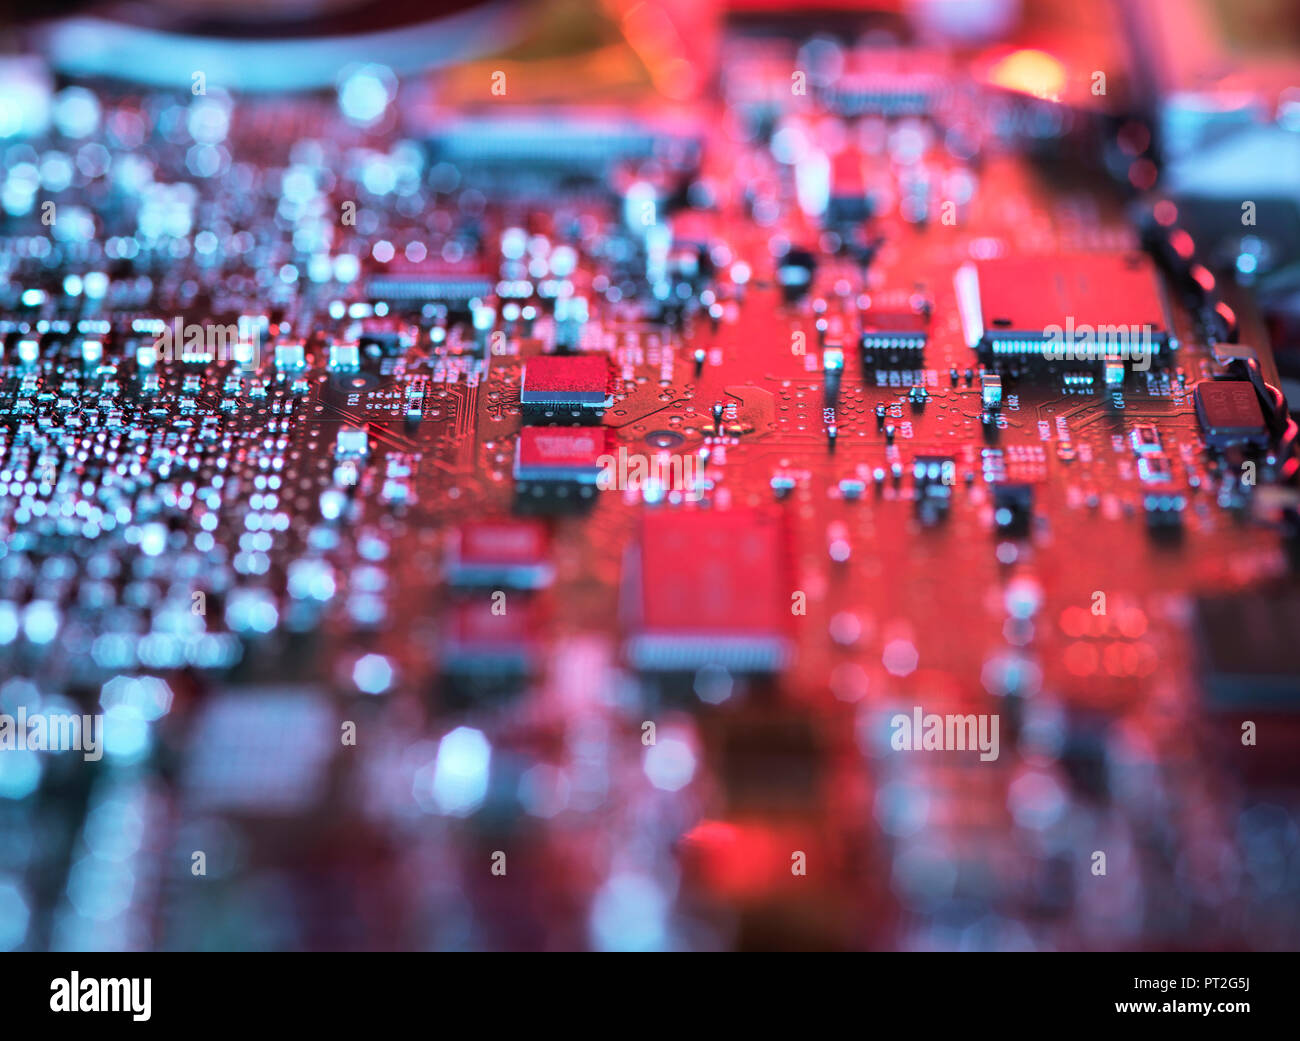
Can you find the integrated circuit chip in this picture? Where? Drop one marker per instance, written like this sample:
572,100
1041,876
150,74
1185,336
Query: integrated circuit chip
1013,508
565,386
894,335
708,588
556,468
934,477
565,455
1246,643
1075,307
479,638
506,552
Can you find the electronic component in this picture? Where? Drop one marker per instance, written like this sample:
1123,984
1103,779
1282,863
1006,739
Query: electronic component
262,751
1013,506
492,639
389,337
991,390
565,386
893,335
849,201
345,357
351,443
1086,307
1145,439
455,289
1230,414
1155,469
705,589
584,458
568,143
1164,513
290,357
505,553
557,467
833,371
559,455
1246,645
886,81
934,478
794,274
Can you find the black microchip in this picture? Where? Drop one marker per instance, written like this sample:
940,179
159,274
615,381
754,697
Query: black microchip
1164,513
1247,649
1013,508
1230,414
556,468
894,335
795,274
769,760
933,477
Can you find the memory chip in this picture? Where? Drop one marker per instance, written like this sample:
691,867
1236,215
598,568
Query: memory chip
1075,307
885,330
1230,414
564,454
478,638
708,588
505,552
575,385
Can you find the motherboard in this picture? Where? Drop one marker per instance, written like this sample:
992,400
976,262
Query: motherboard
837,504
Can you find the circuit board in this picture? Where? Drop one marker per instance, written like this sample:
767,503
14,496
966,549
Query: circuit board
501,527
